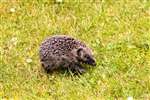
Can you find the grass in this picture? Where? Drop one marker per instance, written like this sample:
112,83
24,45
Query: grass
118,31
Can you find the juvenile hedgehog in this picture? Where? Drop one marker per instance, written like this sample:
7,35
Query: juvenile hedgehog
62,51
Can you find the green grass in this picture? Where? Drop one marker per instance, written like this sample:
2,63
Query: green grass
118,31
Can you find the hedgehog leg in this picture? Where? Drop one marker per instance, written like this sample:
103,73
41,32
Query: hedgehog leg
48,67
78,68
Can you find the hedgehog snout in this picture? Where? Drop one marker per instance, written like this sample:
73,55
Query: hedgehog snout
91,61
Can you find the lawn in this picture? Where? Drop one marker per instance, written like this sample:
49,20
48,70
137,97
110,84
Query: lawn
118,31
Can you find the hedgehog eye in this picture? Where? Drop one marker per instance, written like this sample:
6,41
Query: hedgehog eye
87,56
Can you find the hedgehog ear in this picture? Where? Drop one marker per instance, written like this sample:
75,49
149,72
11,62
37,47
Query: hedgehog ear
79,51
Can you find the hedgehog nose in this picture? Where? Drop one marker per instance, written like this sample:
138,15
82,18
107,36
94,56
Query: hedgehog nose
94,63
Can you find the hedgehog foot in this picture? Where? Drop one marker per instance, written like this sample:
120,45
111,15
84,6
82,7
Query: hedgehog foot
78,68
48,68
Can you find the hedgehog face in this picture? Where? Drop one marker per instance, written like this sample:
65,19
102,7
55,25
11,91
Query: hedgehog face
85,56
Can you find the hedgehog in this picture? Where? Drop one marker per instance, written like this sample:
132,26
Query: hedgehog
62,51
